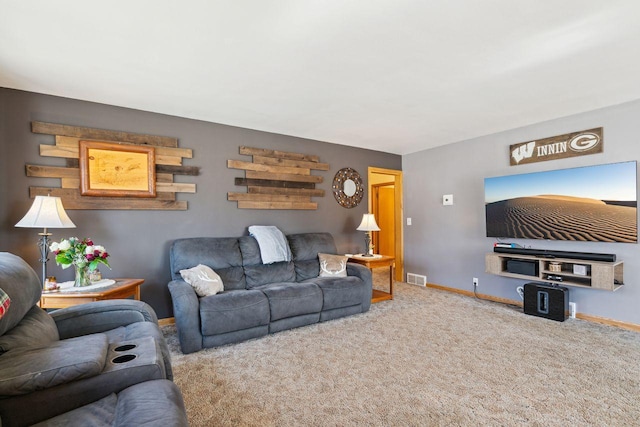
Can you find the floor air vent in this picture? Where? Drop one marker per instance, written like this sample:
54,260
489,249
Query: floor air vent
416,279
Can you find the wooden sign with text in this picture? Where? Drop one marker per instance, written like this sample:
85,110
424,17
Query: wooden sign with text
557,147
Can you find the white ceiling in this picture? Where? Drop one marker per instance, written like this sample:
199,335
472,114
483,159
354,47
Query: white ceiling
390,75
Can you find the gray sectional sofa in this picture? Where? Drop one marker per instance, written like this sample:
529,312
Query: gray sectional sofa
258,298
101,363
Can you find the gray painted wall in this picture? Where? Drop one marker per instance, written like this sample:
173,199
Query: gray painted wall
138,241
448,243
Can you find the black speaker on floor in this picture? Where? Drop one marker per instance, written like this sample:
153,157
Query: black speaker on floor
542,300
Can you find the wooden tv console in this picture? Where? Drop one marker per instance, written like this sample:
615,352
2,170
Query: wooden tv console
599,274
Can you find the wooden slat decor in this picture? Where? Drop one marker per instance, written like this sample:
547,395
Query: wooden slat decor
168,159
277,180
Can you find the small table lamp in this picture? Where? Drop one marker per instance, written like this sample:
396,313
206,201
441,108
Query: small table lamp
368,225
45,212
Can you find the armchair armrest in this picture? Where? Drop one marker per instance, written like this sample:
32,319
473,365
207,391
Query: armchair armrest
186,311
26,371
363,273
101,316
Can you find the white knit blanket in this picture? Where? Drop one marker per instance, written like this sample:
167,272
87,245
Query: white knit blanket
273,243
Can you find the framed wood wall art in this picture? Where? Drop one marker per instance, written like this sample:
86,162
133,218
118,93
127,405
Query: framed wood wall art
117,170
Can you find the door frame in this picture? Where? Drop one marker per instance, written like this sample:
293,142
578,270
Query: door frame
398,213
375,198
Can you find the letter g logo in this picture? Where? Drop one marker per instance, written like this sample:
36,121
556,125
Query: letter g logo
584,141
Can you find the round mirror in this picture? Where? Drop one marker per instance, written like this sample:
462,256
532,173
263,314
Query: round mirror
349,188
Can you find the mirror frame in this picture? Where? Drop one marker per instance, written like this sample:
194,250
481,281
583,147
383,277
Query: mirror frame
342,198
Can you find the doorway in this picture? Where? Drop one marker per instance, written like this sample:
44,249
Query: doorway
385,202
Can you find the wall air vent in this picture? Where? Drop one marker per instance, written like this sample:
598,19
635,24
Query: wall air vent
416,279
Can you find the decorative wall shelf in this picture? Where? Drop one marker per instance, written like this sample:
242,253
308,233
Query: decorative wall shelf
601,275
277,180
168,161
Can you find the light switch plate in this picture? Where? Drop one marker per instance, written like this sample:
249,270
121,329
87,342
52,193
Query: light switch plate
447,199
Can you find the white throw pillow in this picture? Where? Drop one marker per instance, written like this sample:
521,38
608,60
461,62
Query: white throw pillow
203,279
333,265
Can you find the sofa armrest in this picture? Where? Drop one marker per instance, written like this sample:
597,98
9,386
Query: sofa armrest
363,273
101,316
186,311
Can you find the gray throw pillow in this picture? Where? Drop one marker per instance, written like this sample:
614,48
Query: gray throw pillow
203,279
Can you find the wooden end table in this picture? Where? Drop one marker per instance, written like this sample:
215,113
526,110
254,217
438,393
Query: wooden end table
375,262
123,288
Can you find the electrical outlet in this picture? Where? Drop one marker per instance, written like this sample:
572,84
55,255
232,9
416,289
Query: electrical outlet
572,310
475,282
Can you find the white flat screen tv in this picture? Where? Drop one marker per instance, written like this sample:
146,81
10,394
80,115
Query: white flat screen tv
590,204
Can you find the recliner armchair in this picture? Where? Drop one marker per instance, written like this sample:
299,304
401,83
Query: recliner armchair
53,363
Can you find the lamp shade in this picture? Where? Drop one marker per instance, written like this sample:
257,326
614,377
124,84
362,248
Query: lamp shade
368,223
46,212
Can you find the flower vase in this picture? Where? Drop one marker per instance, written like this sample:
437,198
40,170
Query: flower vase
82,276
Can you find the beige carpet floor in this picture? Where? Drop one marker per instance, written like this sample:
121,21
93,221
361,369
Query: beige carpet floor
427,358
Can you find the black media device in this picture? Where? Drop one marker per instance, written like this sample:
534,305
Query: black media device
550,302
528,268
545,253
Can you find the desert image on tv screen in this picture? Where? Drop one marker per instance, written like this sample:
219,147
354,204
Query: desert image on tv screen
593,203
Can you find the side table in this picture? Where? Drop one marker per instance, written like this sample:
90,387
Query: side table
123,288
375,262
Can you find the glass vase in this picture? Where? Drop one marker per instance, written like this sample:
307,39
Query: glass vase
82,276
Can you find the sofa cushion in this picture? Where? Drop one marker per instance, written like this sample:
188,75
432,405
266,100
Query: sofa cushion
250,251
307,246
23,286
307,269
258,275
292,299
232,311
37,329
333,265
222,254
340,291
203,280
156,402
25,371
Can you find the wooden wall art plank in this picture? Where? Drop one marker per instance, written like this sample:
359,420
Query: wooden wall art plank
52,172
72,199
312,192
102,134
73,153
252,197
168,158
277,179
273,183
175,187
279,154
274,161
278,205
163,177
283,176
72,142
248,166
178,170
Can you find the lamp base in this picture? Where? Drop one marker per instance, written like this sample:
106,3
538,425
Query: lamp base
367,255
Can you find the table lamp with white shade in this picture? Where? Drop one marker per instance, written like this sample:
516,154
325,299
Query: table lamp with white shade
45,212
368,225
